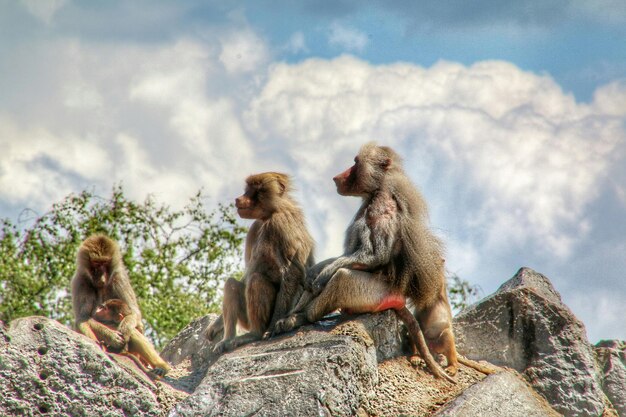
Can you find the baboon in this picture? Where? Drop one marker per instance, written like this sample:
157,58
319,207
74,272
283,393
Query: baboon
101,276
111,313
277,251
390,255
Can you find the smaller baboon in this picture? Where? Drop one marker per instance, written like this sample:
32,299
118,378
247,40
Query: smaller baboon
278,248
111,313
100,276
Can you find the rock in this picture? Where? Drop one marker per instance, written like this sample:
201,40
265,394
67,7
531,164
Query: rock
611,356
501,394
310,373
525,326
343,366
528,278
46,368
190,343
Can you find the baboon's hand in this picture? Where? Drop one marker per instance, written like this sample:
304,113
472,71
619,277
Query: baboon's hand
322,279
311,276
316,288
326,267
114,340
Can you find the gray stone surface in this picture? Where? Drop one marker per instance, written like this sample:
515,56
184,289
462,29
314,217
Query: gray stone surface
539,283
525,326
342,366
314,372
190,343
46,368
501,394
612,363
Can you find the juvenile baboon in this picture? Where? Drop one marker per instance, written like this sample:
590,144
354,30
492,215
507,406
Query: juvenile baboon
100,276
111,313
278,248
390,255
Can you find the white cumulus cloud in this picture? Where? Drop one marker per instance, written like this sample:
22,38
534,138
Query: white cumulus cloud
38,167
531,157
156,120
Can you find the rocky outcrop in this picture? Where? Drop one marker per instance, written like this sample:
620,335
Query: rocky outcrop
47,369
311,373
525,326
342,366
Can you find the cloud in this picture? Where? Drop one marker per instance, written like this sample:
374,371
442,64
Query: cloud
170,185
38,167
520,159
347,38
296,44
155,119
603,314
43,10
524,157
243,51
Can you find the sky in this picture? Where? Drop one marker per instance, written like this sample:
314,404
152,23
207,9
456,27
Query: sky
510,117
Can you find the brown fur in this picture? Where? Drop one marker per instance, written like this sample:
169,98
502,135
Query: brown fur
100,276
277,245
111,313
389,254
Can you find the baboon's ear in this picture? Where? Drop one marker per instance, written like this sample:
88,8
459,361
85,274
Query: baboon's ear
283,183
386,157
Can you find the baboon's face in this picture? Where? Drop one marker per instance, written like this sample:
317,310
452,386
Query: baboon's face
252,204
100,273
103,313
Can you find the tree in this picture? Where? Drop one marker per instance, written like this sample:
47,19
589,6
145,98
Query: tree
177,259
461,293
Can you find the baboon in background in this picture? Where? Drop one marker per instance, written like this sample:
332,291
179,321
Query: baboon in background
111,313
390,255
100,276
278,248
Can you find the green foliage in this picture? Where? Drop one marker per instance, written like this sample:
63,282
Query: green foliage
461,293
177,260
